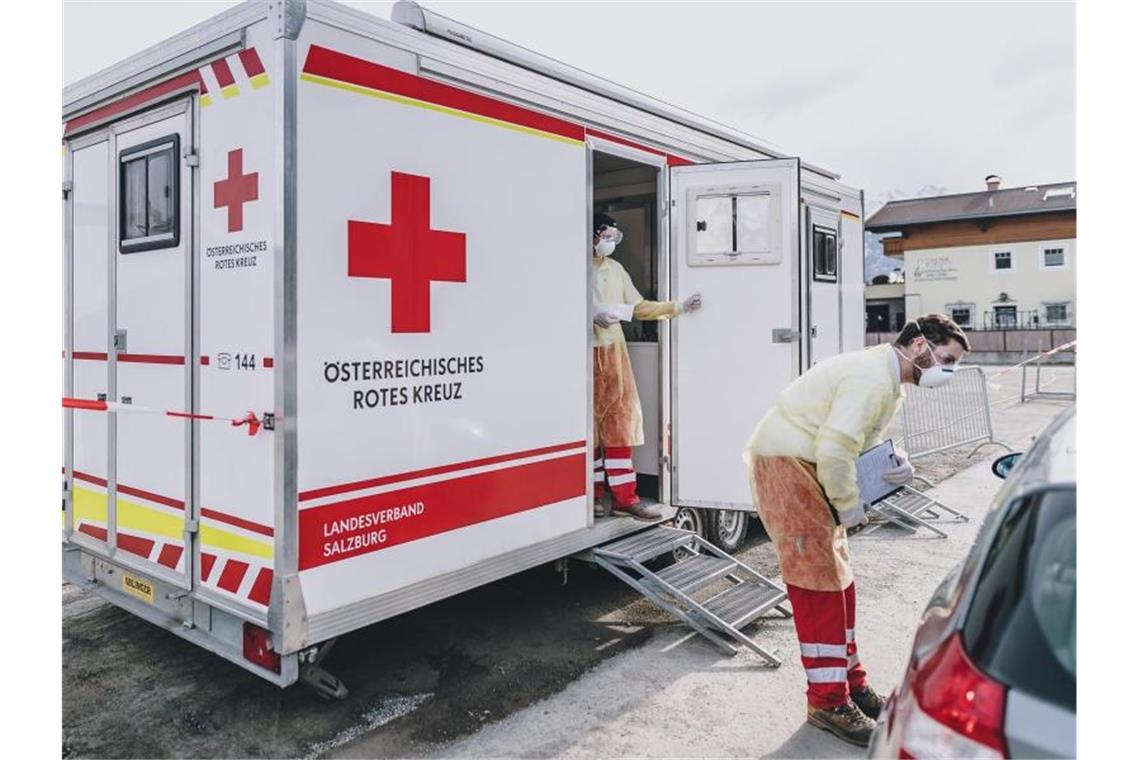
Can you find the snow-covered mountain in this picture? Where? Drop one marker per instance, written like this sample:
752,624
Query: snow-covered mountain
875,262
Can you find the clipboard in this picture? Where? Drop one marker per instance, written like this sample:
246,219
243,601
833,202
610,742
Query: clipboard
869,469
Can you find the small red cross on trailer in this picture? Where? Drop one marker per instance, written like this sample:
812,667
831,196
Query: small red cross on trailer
408,252
235,190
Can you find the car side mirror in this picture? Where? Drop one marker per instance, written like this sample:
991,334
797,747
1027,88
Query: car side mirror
1003,464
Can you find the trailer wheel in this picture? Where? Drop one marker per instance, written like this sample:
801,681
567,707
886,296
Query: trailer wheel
727,529
689,518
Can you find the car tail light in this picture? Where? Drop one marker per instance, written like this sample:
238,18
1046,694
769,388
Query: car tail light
957,710
257,647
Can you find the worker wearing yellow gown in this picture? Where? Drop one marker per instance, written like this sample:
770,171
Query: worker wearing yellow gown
802,470
617,407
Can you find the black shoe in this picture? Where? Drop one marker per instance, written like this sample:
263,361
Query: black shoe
846,721
867,700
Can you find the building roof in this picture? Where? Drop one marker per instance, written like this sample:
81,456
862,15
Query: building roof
1015,201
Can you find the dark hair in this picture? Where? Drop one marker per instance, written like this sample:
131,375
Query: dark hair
939,329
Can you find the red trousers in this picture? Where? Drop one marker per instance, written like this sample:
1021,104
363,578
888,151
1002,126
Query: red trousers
617,467
825,625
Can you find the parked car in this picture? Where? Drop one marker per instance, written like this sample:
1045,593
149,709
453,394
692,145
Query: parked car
994,665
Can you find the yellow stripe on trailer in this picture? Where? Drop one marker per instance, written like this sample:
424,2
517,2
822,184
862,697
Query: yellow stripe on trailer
88,505
217,538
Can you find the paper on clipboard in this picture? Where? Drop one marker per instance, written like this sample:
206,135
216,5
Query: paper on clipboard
869,469
623,311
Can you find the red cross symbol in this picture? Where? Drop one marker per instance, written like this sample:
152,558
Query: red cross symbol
408,252
235,190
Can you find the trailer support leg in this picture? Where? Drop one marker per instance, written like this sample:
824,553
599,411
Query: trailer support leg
317,678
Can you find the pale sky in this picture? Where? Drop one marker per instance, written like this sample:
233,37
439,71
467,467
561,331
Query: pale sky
894,96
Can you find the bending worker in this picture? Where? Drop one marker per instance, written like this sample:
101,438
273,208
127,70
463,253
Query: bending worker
617,407
802,465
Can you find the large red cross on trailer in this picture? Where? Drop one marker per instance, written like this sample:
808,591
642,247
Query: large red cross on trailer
407,252
365,245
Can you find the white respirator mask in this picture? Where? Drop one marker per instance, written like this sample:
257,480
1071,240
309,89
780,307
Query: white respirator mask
605,247
936,374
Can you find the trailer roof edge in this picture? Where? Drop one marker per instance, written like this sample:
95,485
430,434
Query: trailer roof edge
411,14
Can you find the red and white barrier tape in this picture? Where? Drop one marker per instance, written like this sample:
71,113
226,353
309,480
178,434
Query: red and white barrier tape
94,405
1050,352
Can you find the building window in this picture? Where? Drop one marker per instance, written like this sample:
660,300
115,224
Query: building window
148,196
1003,260
962,314
1053,256
1057,313
825,267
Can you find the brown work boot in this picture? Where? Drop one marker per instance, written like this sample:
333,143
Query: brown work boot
638,510
868,700
846,721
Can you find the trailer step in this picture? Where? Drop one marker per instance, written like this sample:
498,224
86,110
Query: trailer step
719,618
696,571
911,510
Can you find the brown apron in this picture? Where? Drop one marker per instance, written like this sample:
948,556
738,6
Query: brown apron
791,503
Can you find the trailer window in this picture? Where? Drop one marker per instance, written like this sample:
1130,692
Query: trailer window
148,196
824,256
733,224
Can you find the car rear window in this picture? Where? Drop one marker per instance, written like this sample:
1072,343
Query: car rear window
1021,628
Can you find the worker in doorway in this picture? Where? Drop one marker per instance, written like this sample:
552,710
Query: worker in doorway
801,460
617,407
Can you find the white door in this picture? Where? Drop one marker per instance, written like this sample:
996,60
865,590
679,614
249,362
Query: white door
734,239
824,276
151,344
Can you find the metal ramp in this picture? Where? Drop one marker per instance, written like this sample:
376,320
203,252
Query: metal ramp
705,587
911,510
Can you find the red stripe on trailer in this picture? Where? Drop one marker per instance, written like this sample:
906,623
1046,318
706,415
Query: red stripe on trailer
207,565
222,72
267,362
94,531
152,358
135,545
149,496
261,585
170,555
251,62
331,64
83,403
359,485
99,356
232,575
93,479
189,79
333,532
670,159
238,522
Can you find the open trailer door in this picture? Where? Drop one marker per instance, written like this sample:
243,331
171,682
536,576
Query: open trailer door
735,240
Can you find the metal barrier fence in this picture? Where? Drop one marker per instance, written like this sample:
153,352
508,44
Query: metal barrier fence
957,414
1027,395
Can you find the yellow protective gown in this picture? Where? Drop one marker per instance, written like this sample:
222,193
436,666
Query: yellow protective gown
617,407
802,457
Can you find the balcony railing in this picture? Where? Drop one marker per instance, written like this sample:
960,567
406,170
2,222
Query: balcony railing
1019,320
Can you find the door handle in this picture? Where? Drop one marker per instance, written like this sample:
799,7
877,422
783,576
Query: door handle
120,341
814,331
100,396
125,399
785,335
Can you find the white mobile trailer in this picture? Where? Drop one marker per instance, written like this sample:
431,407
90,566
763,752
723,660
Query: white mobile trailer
366,243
